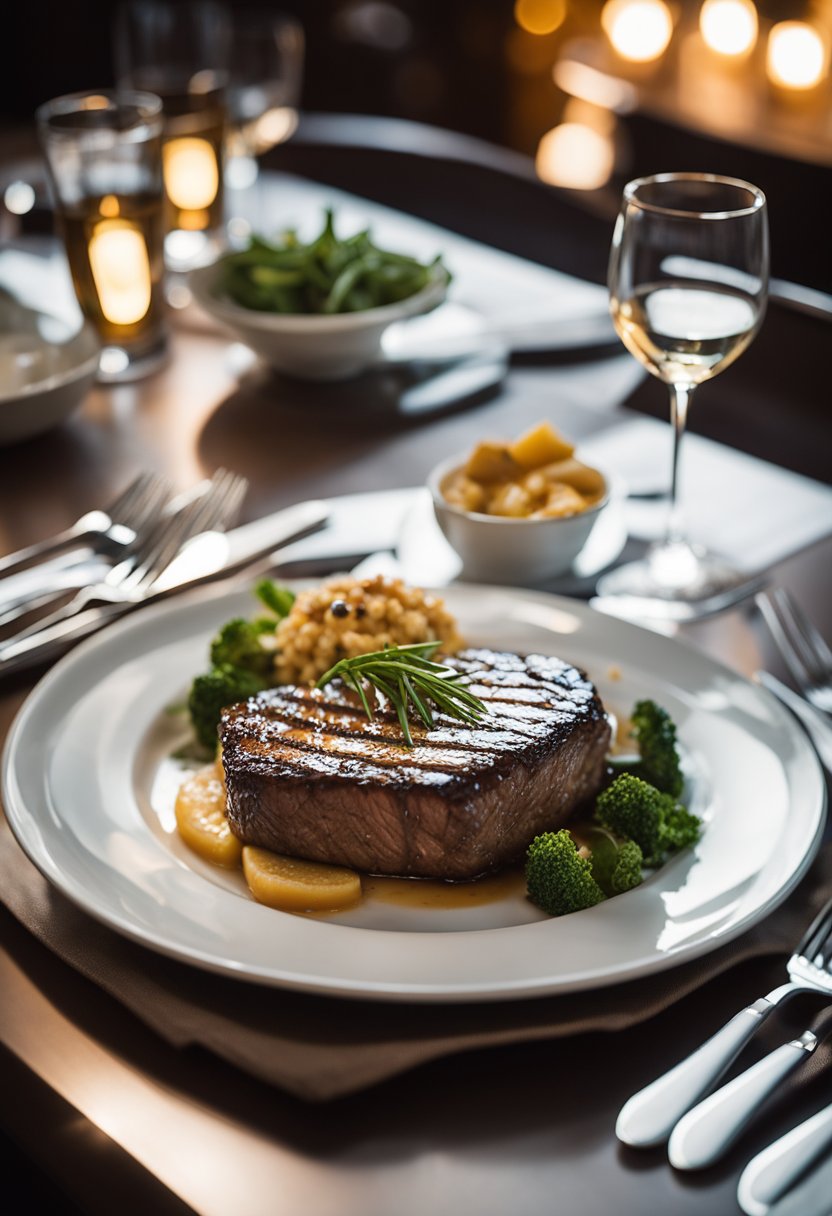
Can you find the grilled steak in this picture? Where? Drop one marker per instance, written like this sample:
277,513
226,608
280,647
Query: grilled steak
309,775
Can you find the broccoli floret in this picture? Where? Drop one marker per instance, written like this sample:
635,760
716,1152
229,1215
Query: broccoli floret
616,863
657,823
632,808
656,734
558,878
276,598
238,645
680,827
210,693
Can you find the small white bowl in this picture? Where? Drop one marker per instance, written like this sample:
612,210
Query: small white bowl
47,366
496,549
331,347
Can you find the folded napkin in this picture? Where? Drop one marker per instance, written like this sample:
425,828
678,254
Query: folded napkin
320,1048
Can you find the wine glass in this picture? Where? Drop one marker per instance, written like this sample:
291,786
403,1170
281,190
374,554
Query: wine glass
688,280
265,61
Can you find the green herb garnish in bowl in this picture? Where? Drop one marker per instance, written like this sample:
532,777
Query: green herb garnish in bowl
318,310
327,276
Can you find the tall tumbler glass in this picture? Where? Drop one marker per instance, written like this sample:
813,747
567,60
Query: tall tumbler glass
688,280
103,152
180,52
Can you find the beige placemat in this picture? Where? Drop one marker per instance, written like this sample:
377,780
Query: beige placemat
320,1048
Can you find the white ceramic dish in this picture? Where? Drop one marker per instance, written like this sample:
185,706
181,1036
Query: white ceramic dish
88,792
314,347
47,366
425,556
499,550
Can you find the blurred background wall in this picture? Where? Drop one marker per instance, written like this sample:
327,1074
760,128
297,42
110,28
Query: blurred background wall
597,92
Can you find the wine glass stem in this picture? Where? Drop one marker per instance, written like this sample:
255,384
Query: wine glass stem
680,398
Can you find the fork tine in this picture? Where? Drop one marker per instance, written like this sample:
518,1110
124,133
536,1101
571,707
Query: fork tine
147,504
777,621
123,503
217,506
814,648
165,539
816,946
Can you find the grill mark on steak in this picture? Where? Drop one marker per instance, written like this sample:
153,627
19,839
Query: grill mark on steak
313,722
310,775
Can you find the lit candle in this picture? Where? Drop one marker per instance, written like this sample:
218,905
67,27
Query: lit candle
576,155
729,27
639,30
192,176
121,271
796,56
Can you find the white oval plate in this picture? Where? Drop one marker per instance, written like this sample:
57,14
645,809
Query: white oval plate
88,793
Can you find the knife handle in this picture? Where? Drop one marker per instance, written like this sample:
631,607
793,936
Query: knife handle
649,1116
770,1174
707,1131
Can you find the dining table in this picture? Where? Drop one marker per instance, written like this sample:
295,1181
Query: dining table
469,1111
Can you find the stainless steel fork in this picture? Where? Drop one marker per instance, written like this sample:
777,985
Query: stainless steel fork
110,530
804,651
132,580
650,1116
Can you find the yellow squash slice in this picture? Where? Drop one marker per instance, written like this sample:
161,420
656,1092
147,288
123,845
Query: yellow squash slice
298,886
200,817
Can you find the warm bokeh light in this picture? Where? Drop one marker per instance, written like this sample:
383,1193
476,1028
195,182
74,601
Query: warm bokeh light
729,26
539,16
796,55
275,126
574,155
121,271
191,172
639,30
587,83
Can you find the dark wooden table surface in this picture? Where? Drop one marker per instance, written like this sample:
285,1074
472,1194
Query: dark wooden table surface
523,1129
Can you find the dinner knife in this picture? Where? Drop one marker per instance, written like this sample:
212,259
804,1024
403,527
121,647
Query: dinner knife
767,1184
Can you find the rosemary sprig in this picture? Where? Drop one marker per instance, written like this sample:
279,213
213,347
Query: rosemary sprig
406,676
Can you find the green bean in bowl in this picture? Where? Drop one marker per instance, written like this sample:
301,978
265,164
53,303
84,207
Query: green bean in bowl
329,275
317,311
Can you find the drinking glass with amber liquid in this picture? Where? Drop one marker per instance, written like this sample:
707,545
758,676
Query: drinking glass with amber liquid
104,157
180,52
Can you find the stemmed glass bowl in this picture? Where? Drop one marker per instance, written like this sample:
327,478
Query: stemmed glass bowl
688,280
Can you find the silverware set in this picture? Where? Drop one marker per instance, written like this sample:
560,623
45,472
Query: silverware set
145,545
699,1124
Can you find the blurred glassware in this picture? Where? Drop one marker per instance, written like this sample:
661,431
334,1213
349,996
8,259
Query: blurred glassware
103,152
180,52
688,279
265,74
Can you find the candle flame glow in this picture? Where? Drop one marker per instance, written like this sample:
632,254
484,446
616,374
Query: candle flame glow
796,55
121,271
539,16
729,26
191,172
639,30
574,155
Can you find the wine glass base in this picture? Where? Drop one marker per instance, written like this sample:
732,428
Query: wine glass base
673,581
122,365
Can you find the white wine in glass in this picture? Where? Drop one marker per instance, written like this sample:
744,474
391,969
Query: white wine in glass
688,281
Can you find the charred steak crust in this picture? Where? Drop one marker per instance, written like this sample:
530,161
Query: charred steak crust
309,775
